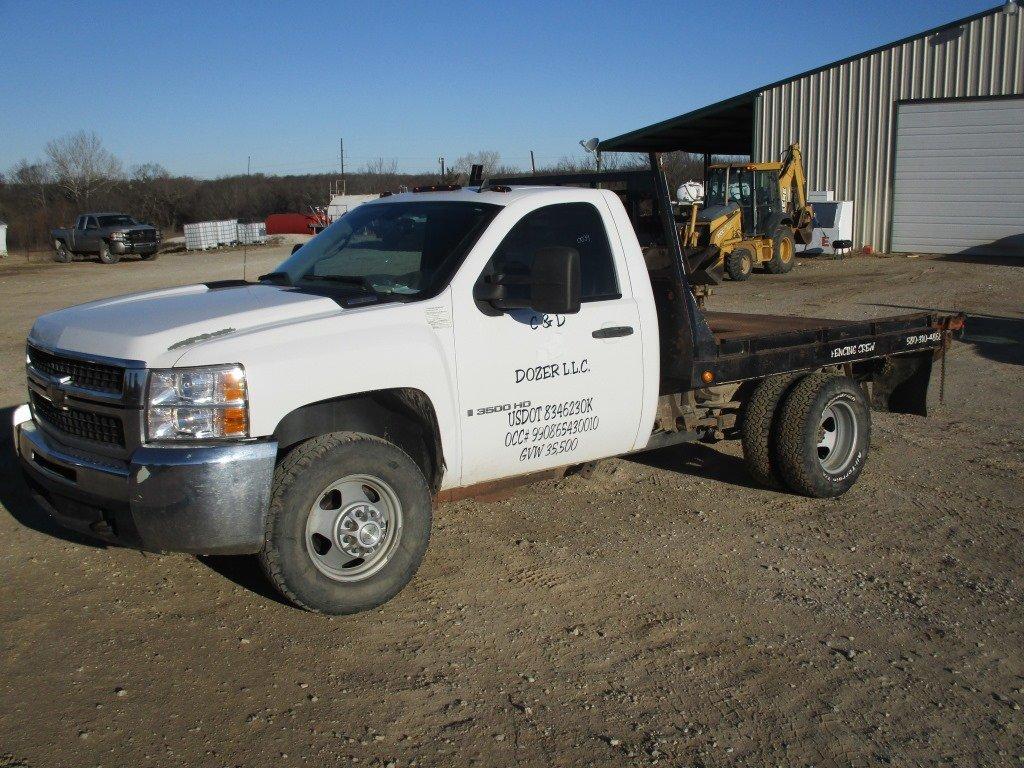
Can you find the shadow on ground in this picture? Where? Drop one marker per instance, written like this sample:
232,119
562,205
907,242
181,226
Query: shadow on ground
994,337
245,571
698,460
1005,252
16,497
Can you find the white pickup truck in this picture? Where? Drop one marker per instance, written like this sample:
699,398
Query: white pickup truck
423,346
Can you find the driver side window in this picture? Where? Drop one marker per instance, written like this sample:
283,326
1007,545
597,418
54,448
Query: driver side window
572,225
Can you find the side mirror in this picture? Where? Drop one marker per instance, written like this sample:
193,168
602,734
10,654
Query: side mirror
552,286
555,281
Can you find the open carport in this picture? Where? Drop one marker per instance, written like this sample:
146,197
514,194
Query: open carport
924,135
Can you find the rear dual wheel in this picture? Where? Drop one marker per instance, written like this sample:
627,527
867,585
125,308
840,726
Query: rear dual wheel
61,254
816,440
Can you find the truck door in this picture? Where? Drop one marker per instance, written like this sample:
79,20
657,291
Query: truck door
91,235
77,233
540,391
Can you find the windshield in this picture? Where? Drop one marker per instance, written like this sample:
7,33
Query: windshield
715,194
116,221
404,249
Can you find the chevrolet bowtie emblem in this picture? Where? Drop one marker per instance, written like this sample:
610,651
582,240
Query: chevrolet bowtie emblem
55,391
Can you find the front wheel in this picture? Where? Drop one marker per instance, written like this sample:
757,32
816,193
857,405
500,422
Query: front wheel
348,524
106,256
739,264
824,429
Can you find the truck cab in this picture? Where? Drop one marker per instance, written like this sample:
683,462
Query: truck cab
425,346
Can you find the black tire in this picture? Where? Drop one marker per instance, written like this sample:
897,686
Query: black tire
61,253
802,429
739,264
783,252
758,418
106,257
300,483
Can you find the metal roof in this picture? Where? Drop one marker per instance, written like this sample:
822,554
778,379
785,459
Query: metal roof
727,127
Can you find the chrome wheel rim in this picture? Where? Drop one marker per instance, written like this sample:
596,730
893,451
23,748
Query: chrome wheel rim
837,436
353,527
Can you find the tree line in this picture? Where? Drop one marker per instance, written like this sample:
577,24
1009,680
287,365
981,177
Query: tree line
79,174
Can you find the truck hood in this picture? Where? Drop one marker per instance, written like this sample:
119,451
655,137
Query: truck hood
159,326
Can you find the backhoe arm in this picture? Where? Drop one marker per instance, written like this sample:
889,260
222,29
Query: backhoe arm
793,181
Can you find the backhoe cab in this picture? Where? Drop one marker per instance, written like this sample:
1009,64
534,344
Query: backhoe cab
751,216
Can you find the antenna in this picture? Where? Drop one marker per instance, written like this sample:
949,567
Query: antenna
245,245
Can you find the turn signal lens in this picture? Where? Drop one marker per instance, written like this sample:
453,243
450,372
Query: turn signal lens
233,422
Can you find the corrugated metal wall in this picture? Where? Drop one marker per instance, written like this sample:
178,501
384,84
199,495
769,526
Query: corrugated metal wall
844,116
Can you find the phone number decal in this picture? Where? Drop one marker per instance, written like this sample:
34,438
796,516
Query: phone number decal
923,338
550,429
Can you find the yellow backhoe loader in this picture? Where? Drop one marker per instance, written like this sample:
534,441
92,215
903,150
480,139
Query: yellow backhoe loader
752,215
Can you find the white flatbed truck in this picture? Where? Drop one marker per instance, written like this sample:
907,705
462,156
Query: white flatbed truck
426,345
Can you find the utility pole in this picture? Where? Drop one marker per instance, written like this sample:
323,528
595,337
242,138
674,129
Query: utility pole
248,167
533,164
341,157
441,161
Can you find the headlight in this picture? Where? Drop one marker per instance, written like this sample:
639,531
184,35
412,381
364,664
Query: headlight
207,403
116,235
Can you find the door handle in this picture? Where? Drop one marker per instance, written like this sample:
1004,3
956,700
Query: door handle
613,332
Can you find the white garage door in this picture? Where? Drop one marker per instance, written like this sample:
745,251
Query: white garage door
959,181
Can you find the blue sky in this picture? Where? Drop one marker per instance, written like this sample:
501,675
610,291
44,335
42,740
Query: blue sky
198,87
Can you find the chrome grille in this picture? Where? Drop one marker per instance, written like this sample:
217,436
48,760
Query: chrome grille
142,236
87,375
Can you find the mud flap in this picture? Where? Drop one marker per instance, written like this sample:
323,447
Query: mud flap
901,384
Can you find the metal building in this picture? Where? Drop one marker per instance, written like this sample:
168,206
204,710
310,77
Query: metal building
925,135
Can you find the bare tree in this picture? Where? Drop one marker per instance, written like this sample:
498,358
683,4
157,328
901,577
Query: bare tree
82,165
34,176
488,158
384,173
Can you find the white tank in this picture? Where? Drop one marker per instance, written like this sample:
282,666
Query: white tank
690,192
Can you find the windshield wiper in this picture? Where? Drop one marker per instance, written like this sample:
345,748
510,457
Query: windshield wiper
278,278
353,280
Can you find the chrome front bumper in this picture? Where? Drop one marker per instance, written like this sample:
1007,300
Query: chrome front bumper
122,248
200,499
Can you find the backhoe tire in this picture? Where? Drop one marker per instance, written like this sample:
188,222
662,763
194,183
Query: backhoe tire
106,257
758,425
348,523
739,264
782,251
822,437
61,253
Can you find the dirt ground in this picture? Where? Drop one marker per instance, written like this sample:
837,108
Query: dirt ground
657,610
